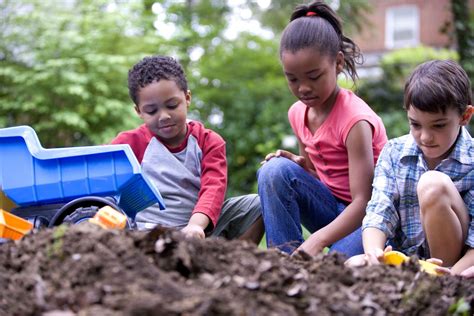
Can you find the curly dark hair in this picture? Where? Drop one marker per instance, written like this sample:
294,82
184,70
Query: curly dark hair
438,85
155,68
320,29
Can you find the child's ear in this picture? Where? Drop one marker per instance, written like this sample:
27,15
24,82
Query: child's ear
466,116
340,62
188,98
137,109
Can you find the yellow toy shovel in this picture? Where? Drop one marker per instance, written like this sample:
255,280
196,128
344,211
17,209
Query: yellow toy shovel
396,258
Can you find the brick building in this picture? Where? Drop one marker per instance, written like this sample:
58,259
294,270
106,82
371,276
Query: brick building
394,24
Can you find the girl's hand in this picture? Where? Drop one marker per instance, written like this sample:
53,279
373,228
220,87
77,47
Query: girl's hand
194,231
300,160
439,269
312,246
467,273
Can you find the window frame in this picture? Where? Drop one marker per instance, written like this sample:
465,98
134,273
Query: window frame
390,27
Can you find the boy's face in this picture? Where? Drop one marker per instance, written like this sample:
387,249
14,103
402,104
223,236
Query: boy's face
163,107
436,133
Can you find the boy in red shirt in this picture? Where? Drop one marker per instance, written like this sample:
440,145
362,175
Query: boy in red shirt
186,161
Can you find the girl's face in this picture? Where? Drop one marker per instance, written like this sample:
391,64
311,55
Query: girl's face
163,107
312,77
436,133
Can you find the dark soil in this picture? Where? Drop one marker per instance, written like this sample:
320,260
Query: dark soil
85,270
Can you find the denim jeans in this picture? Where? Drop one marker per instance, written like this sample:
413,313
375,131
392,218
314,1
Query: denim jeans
291,197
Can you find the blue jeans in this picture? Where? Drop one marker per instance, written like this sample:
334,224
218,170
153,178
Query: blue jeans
291,197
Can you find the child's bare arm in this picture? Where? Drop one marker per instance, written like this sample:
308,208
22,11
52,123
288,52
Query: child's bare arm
361,170
373,240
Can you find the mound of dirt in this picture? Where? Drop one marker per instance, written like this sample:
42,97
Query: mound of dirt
85,270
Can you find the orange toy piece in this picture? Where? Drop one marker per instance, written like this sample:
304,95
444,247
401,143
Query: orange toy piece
109,218
12,226
396,258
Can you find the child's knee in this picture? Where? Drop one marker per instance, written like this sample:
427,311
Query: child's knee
432,187
274,170
252,203
255,203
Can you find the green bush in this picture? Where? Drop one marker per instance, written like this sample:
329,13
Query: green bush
398,64
385,94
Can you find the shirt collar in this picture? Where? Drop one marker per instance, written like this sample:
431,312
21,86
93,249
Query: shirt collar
462,149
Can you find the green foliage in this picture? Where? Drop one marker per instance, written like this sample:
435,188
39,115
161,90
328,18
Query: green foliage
398,64
197,24
464,33
246,87
277,16
56,247
64,64
460,308
64,67
385,94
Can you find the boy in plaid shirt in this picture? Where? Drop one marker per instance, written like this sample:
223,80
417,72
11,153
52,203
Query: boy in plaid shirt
423,190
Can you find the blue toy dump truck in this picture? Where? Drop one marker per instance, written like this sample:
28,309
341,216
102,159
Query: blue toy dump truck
49,187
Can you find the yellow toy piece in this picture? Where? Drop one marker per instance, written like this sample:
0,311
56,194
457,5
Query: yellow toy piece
396,258
12,226
109,218
5,203
428,267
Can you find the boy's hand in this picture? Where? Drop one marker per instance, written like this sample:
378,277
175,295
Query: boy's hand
371,257
194,231
375,256
356,261
196,225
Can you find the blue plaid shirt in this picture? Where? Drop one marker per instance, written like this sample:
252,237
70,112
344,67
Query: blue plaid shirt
394,207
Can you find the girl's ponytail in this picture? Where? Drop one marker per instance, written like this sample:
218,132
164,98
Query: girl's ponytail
317,25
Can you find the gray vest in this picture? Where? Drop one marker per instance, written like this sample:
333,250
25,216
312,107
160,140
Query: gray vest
178,177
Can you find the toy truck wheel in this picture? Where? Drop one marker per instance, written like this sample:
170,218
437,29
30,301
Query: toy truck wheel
82,209
81,214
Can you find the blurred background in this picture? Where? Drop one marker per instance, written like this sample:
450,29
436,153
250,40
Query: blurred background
64,64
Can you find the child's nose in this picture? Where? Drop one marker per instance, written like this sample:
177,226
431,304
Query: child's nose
164,115
304,89
426,137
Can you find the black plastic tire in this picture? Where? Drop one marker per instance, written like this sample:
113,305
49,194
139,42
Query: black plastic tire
81,214
81,209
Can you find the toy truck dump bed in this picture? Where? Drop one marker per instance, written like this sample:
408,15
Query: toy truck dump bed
31,175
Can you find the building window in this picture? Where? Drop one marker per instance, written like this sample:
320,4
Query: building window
402,27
